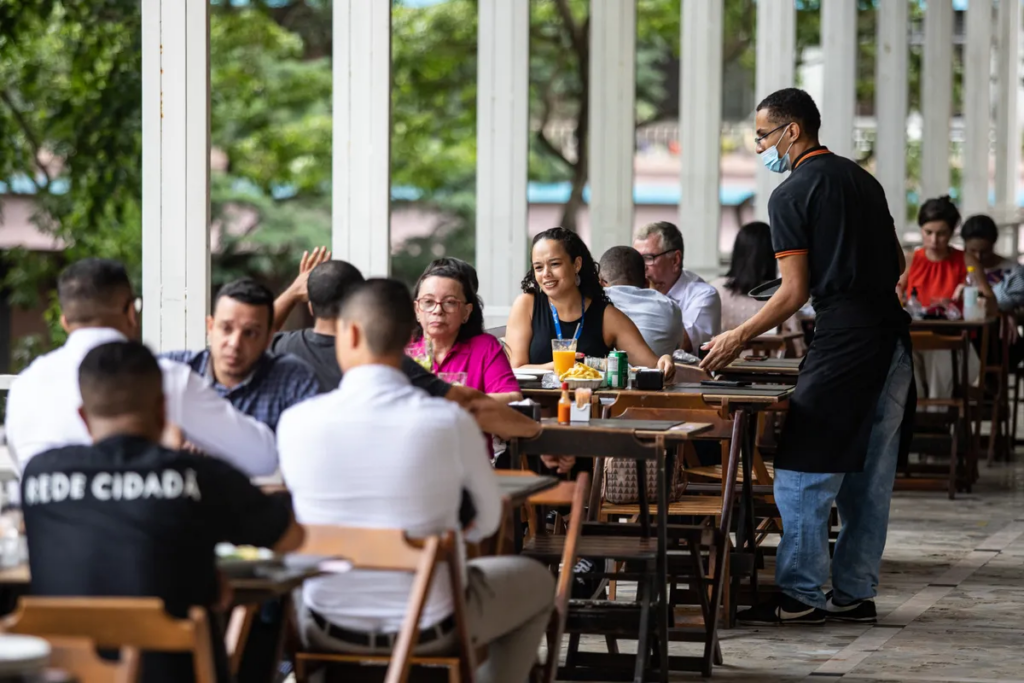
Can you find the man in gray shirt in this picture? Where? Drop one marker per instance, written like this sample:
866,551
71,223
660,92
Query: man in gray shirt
656,316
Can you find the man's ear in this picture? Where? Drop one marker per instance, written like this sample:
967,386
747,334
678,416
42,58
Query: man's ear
209,325
64,323
85,420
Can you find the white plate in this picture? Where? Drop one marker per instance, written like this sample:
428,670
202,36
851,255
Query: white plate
526,376
23,655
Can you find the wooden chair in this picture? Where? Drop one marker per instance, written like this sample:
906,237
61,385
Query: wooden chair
140,623
939,433
391,550
78,657
573,494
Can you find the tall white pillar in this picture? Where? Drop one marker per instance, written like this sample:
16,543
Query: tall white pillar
776,59
175,173
891,107
977,106
502,130
1008,132
700,133
612,123
361,160
936,98
839,44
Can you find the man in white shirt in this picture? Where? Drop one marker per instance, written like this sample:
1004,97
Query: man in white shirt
656,316
661,246
98,306
377,452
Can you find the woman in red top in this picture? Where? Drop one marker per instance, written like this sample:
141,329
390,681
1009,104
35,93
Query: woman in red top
936,269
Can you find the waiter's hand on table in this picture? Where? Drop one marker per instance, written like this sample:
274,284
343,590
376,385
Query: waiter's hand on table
722,350
563,463
667,367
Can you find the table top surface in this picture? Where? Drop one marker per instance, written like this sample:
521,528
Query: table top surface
758,394
671,429
951,324
517,486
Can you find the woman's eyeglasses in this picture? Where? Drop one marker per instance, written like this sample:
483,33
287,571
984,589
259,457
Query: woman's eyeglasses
448,305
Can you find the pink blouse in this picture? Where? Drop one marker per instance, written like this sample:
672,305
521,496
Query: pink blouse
481,358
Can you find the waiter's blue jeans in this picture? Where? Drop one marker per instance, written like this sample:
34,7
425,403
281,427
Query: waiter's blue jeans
805,501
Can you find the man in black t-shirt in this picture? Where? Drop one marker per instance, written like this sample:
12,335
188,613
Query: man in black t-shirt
848,416
127,517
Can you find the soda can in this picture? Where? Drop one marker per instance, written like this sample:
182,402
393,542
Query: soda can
617,372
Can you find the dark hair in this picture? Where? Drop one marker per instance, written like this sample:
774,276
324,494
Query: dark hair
384,311
590,283
119,378
328,284
623,265
93,287
753,259
465,275
671,238
248,291
980,227
793,104
939,209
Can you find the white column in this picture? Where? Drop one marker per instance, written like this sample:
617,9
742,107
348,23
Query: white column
977,106
839,44
891,107
175,173
1008,133
936,98
612,123
700,133
361,166
502,130
776,58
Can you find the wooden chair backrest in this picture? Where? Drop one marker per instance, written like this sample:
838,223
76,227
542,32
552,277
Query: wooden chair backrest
627,400
595,443
78,657
929,341
377,549
141,623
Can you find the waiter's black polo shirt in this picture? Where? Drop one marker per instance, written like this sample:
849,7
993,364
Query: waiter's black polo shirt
835,212
126,517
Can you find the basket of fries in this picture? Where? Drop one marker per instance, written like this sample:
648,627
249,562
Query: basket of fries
583,377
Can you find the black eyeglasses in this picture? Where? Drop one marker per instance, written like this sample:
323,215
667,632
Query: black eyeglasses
651,258
757,141
448,305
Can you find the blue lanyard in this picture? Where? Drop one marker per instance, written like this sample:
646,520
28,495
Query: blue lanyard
558,324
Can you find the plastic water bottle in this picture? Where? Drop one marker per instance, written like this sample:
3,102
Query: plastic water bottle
914,307
972,307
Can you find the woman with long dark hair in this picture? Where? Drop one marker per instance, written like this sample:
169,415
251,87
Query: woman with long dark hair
563,299
753,264
450,331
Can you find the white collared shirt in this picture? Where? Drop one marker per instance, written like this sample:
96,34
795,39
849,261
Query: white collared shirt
43,403
656,316
379,453
700,306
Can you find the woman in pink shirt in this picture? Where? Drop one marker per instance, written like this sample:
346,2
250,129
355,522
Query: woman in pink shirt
451,333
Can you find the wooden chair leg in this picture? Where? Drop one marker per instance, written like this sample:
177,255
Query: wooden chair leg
644,593
953,456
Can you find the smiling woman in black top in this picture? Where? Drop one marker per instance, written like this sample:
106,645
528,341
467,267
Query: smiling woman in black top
562,298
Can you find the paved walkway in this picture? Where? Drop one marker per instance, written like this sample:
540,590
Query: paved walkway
951,603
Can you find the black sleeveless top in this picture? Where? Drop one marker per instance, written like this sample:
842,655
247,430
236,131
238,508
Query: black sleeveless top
590,341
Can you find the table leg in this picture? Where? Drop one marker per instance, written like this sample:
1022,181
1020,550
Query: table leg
663,604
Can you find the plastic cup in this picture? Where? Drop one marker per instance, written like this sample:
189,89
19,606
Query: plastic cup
563,353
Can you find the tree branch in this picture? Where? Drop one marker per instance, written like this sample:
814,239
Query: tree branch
570,23
32,139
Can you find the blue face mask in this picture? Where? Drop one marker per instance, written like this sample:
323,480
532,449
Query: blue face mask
773,162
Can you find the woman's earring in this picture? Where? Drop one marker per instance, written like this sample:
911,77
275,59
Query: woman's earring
577,279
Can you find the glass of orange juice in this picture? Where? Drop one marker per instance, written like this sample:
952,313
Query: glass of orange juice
563,353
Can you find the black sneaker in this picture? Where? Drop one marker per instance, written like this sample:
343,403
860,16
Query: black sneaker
860,612
782,610
587,587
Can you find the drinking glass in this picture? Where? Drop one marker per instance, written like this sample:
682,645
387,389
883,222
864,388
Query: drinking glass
454,378
563,353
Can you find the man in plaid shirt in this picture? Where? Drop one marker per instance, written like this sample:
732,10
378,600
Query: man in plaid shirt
237,364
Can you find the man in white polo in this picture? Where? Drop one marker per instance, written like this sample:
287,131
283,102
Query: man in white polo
656,316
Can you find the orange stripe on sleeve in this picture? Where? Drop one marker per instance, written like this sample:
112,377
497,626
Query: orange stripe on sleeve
791,252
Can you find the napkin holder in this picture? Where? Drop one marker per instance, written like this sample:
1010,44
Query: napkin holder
649,380
578,414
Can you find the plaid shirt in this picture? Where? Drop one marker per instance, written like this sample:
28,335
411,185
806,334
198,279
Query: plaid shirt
275,384
1010,292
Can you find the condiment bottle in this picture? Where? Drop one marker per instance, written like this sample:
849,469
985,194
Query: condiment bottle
564,406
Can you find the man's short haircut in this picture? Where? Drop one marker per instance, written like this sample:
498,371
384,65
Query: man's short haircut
328,285
671,238
623,266
119,378
792,104
248,291
93,287
384,311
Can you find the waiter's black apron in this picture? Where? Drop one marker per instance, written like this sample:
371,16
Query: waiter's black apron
833,406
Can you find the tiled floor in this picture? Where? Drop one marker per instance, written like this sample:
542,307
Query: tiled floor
951,602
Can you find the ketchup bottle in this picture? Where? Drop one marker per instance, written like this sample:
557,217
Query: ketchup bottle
564,406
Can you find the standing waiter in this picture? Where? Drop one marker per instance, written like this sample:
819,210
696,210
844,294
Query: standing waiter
834,240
